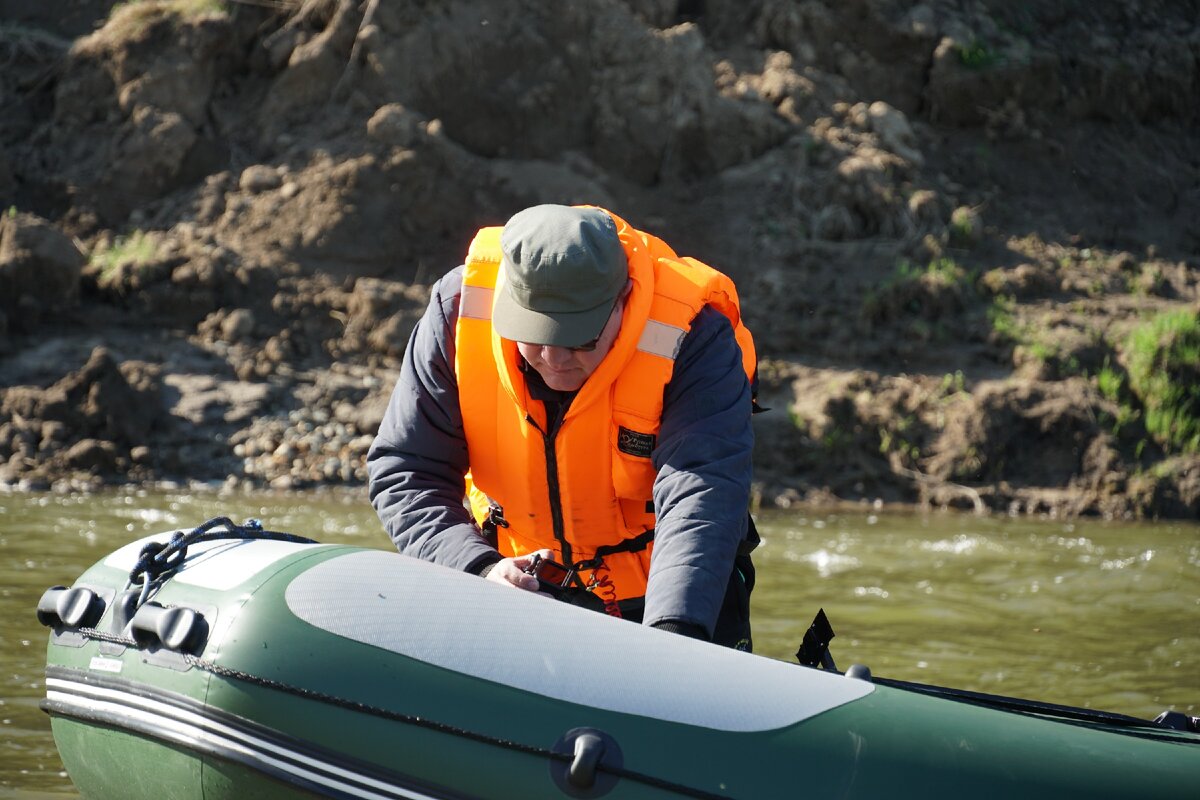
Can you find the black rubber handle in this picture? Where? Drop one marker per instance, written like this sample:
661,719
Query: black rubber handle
183,630
60,607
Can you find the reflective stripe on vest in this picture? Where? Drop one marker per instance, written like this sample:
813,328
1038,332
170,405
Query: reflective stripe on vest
661,339
476,302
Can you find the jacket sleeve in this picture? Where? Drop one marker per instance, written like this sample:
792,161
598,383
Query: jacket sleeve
704,468
417,463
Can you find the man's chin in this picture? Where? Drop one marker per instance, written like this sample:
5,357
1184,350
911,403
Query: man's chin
564,382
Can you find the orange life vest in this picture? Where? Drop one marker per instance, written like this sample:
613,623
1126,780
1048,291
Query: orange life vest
586,490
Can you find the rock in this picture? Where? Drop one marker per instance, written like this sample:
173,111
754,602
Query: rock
283,483
53,433
237,325
33,483
204,400
1022,281
366,416
40,269
925,207
391,337
395,125
894,132
259,178
118,406
314,64
109,404
92,454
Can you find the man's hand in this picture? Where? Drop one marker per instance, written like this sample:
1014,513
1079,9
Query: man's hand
511,571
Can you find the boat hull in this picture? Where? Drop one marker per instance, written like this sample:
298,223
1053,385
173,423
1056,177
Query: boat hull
335,671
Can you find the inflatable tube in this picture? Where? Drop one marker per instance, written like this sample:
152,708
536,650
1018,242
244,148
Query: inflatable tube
259,667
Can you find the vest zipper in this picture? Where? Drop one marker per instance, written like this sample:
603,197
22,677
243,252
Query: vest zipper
556,514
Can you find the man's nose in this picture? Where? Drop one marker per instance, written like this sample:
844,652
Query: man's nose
556,356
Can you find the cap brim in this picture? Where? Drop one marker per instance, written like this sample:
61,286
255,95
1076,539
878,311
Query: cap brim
563,329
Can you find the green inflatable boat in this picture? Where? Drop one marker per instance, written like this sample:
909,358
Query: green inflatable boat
233,662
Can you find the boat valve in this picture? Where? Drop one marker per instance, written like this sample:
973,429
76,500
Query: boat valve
588,749
183,630
61,607
591,760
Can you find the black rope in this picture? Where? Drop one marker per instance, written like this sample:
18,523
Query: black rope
156,561
1069,715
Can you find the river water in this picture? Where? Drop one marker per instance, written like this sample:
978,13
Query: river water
1087,613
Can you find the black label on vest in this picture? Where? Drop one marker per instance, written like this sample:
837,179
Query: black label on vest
634,443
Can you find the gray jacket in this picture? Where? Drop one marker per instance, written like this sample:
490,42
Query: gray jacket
703,461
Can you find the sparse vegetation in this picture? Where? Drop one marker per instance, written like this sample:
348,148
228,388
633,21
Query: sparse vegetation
964,226
924,293
1149,281
894,441
1002,316
1049,340
1112,383
952,384
1163,358
836,440
977,54
128,252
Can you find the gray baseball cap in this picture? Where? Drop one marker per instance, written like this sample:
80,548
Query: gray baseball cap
564,268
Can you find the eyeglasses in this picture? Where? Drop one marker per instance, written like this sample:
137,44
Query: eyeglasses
587,347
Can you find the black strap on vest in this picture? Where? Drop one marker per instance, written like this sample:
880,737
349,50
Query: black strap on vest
635,545
642,541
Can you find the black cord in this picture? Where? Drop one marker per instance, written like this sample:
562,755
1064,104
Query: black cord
1070,715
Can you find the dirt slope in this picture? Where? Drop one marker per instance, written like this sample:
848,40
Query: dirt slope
948,221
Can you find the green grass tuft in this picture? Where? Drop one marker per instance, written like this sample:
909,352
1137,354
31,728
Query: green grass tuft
137,249
1163,357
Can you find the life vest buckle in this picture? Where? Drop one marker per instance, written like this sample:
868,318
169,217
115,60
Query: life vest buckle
491,525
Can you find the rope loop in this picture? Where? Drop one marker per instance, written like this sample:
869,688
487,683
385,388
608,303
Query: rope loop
158,561
155,559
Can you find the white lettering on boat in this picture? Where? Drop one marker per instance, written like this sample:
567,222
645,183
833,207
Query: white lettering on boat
101,664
